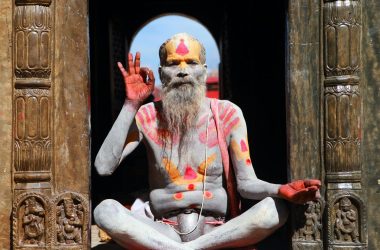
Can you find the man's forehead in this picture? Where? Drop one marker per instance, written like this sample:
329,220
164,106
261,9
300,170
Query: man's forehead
183,46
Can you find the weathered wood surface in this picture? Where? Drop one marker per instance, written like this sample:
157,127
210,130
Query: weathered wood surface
303,114
71,92
371,116
303,90
5,121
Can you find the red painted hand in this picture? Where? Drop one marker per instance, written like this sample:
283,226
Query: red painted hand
300,191
139,82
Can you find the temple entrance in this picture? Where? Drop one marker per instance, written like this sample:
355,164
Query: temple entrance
248,67
307,83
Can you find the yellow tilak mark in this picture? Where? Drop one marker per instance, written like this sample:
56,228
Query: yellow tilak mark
202,166
192,45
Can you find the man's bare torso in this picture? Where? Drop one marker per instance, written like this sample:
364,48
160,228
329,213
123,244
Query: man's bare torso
177,175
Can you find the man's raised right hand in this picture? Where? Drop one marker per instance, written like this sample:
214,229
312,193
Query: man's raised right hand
139,82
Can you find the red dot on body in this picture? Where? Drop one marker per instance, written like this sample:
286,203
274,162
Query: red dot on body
208,194
178,196
248,161
191,186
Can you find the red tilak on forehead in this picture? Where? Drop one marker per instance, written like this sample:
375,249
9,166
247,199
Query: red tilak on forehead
182,49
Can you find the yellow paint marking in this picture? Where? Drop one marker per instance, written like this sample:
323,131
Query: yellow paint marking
176,177
183,60
202,166
239,154
171,169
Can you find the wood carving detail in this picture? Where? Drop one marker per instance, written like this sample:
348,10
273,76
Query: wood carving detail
50,223
32,41
71,220
32,145
342,28
347,219
309,222
31,220
343,128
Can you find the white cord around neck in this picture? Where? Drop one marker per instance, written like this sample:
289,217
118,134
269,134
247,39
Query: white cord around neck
204,182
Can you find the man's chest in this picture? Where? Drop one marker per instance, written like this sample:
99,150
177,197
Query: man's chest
202,134
189,163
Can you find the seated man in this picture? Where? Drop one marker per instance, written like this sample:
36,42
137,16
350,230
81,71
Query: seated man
185,135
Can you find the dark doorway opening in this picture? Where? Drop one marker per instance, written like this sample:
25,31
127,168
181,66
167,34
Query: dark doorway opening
252,39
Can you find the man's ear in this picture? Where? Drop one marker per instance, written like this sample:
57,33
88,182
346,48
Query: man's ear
205,77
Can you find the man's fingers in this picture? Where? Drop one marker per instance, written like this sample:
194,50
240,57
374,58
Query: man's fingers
137,63
144,74
318,195
313,182
311,194
122,70
147,75
150,78
131,67
312,188
306,195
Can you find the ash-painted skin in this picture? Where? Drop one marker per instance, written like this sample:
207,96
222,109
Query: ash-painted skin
177,183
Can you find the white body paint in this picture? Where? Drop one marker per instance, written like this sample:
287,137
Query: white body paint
136,232
184,177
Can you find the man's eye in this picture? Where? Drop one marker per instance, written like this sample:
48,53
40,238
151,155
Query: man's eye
192,62
171,63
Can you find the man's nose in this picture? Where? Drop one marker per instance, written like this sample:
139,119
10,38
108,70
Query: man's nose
182,69
182,74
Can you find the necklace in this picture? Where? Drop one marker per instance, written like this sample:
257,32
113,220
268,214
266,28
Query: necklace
204,182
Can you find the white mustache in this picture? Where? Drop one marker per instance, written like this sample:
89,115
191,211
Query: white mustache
176,81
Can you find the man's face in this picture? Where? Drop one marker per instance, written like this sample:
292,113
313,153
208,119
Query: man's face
183,64
183,78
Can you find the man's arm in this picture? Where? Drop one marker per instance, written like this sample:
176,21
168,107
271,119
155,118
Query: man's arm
124,135
248,185
122,139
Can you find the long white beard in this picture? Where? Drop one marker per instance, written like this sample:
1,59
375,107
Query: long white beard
181,103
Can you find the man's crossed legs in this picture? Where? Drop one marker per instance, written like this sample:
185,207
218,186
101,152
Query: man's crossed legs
136,232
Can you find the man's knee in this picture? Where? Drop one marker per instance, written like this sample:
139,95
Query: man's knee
274,213
106,211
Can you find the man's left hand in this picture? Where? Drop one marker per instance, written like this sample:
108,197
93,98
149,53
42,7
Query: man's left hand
300,191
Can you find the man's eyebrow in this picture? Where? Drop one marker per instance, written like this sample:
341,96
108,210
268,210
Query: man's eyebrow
172,61
192,59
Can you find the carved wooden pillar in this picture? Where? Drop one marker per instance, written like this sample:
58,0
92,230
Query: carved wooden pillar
32,112
48,213
346,209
